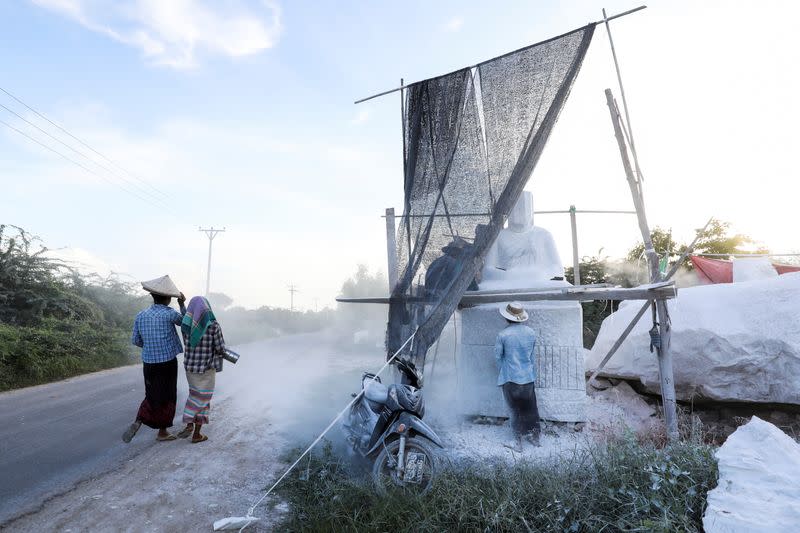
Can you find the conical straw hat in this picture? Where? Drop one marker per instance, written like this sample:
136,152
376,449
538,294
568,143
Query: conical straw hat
162,286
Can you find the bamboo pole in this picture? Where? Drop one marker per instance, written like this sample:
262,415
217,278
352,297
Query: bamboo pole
663,290
391,248
622,93
641,311
576,262
557,212
390,91
665,330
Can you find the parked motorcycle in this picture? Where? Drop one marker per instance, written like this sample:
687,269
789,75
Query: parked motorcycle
385,425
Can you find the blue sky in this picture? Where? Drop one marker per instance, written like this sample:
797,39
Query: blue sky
241,113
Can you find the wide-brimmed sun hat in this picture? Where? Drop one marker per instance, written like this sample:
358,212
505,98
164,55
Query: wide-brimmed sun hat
162,286
514,312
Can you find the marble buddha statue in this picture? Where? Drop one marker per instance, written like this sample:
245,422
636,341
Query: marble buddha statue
524,256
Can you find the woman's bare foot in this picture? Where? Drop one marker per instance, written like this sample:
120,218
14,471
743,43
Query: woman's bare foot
185,432
198,437
163,435
131,431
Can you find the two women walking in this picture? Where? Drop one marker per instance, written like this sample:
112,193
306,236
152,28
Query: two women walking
154,330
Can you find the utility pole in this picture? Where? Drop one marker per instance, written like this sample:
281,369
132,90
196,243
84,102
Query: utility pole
316,305
292,290
210,233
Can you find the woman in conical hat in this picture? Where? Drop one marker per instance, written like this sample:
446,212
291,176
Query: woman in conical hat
205,345
154,332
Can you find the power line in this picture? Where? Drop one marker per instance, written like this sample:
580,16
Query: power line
143,198
41,115
154,197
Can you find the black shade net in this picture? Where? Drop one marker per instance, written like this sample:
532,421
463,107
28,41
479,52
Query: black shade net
472,139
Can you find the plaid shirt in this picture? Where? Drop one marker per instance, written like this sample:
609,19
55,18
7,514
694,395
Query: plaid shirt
208,352
154,332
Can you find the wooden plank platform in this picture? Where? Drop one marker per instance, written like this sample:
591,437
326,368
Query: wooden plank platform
653,291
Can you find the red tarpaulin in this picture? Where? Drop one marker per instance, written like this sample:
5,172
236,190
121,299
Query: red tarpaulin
721,271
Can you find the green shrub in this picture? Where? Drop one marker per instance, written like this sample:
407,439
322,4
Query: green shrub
54,321
58,349
622,486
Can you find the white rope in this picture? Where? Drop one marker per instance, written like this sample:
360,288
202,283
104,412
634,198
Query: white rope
321,435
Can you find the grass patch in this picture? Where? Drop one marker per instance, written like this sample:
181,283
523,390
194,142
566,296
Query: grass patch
58,349
623,485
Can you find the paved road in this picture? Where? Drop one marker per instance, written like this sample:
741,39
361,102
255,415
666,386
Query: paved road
55,434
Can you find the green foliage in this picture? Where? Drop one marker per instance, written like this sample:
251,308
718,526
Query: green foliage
353,317
625,485
595,269
663,243
31,283
54,321
715,239
57,349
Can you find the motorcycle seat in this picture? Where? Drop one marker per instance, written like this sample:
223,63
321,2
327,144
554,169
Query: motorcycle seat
376,392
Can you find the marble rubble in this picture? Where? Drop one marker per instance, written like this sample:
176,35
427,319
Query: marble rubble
758,488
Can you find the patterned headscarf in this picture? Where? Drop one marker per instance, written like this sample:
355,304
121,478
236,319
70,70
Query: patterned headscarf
197,319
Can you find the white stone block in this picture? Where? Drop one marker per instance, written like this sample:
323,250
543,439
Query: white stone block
758,488
730,342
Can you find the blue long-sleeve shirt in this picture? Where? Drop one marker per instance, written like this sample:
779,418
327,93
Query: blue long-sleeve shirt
513,351
154,332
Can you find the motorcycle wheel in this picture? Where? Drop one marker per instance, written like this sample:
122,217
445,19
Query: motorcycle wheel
384,473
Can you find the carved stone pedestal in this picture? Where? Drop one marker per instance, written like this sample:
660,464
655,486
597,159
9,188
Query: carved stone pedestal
560,380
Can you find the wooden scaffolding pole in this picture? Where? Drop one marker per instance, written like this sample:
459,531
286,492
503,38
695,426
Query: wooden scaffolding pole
644,307
391,249
665,329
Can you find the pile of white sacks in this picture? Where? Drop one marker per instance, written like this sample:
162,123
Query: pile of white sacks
730,342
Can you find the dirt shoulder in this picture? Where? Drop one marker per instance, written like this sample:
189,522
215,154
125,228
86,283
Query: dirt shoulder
172,486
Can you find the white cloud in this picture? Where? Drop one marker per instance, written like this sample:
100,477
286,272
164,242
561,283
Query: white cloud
178,33
454,24
295,205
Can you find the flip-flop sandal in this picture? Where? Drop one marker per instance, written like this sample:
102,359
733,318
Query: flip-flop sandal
167,437
202,438
185,432
130,432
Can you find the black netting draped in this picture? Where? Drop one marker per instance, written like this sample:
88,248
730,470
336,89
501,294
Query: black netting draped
472,139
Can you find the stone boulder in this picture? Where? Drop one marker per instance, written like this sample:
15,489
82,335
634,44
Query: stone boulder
759,482
730,342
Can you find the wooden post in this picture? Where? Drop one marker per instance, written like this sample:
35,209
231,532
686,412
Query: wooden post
665,371
576,262
391,248
619,342
664,355
641,312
